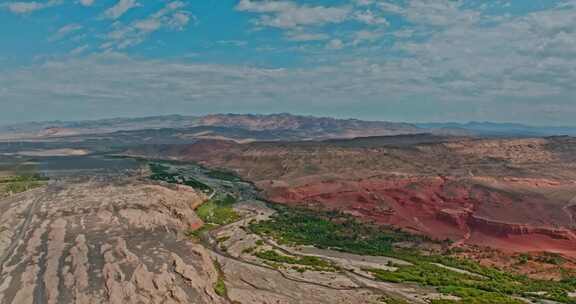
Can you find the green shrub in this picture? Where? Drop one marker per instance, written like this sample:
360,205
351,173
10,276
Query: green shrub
313,262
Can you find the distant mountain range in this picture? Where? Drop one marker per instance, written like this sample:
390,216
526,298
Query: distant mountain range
499,129
64,128
297,127
273,126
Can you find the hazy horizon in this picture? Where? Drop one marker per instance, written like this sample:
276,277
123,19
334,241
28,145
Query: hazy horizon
2,124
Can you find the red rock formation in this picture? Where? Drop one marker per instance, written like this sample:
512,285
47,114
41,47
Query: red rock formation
441,208
512,194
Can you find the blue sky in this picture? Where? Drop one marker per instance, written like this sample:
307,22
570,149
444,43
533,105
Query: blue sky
400,60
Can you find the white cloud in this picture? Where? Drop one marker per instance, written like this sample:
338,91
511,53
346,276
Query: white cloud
172,16
335,44
286,14
390,8
87,2
65,31
120,8
148,25
307,22
366,36
369,17
364,2
29,7
235,43
437,13
301,36
179,20
79,50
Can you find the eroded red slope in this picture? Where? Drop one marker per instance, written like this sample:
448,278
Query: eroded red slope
512,194
467,211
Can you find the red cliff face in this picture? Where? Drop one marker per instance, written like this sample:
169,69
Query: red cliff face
465,211
500,229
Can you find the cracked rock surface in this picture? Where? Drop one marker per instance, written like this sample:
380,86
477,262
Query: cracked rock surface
103,240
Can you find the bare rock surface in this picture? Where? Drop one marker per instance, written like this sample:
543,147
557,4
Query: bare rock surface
103,241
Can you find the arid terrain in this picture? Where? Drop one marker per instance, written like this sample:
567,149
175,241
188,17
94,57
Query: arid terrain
107,239
102,240
518,195
280,209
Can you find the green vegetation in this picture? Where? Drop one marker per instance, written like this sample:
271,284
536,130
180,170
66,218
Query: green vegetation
224,175
340,232
220,285
15,166
248,250
162,172
390,300
222,239
21,183
551,258
195,234
545,257
218,211
215,212
523,259
329,230
471,289
314,263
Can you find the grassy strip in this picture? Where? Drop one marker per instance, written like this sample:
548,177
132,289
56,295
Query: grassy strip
340,232
196,234
22,183
220,285
390,300
314,263
224,175
218,211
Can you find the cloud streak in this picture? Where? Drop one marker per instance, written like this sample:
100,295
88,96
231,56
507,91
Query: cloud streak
172,16
86,2
120,8
289,15
29,7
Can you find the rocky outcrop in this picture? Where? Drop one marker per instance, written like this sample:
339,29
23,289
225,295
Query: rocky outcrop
103,241
502,229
